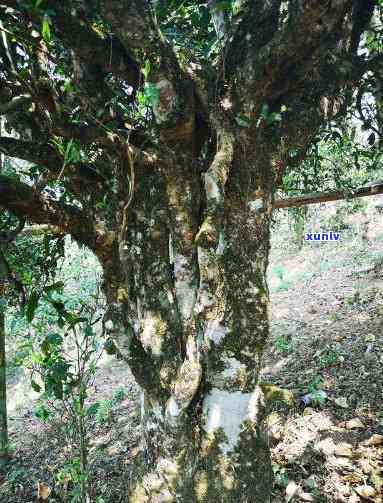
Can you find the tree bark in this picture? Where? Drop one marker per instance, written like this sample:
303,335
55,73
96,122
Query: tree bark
188,310
3,391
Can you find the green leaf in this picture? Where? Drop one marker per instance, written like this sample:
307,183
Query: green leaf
72,319
223,6
46,30
242,121
88,332
32,304
42,413
110,347
36,387
146,69
55,287
265,111
54,339
151,93
45,347
58,390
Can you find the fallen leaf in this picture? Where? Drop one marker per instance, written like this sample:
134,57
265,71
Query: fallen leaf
353,477
377,481
306,497
375,440
354,423
325,446
344,450
43,491
343,462
365,491
366,467
291,490
341,402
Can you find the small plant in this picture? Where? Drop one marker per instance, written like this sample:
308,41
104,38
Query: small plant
304,276
353,299
66,365
315,383
333,316
15,476
102,415
101,410
324,266
318,397
281,476
284,286
328,357
314,395
279,271
282,345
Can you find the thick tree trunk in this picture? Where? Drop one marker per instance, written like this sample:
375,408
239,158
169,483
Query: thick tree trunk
188,310
216,448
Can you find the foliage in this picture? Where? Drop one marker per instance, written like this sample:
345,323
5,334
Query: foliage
62,351
314,394
67,372
327,357
282,345
335,161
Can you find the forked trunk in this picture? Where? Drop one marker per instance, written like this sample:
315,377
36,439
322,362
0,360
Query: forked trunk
188,310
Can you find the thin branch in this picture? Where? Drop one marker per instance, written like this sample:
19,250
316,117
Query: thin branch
46,155
218,17
15,103
25,202
371,189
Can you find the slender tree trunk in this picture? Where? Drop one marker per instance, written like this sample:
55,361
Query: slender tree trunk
3,392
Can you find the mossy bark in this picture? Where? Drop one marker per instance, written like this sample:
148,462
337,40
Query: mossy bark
188,310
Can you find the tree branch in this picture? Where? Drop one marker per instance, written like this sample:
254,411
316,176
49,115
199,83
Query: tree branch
133,23
218,17
372,189
15,103
42,154
268,55
24,202
45,155
93,55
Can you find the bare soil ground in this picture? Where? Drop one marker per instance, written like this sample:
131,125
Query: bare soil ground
326,348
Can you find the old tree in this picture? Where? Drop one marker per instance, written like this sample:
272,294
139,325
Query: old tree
156,134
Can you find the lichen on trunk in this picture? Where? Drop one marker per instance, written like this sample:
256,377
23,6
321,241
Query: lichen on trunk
189,313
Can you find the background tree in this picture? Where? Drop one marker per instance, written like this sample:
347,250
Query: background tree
158,133
3,389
